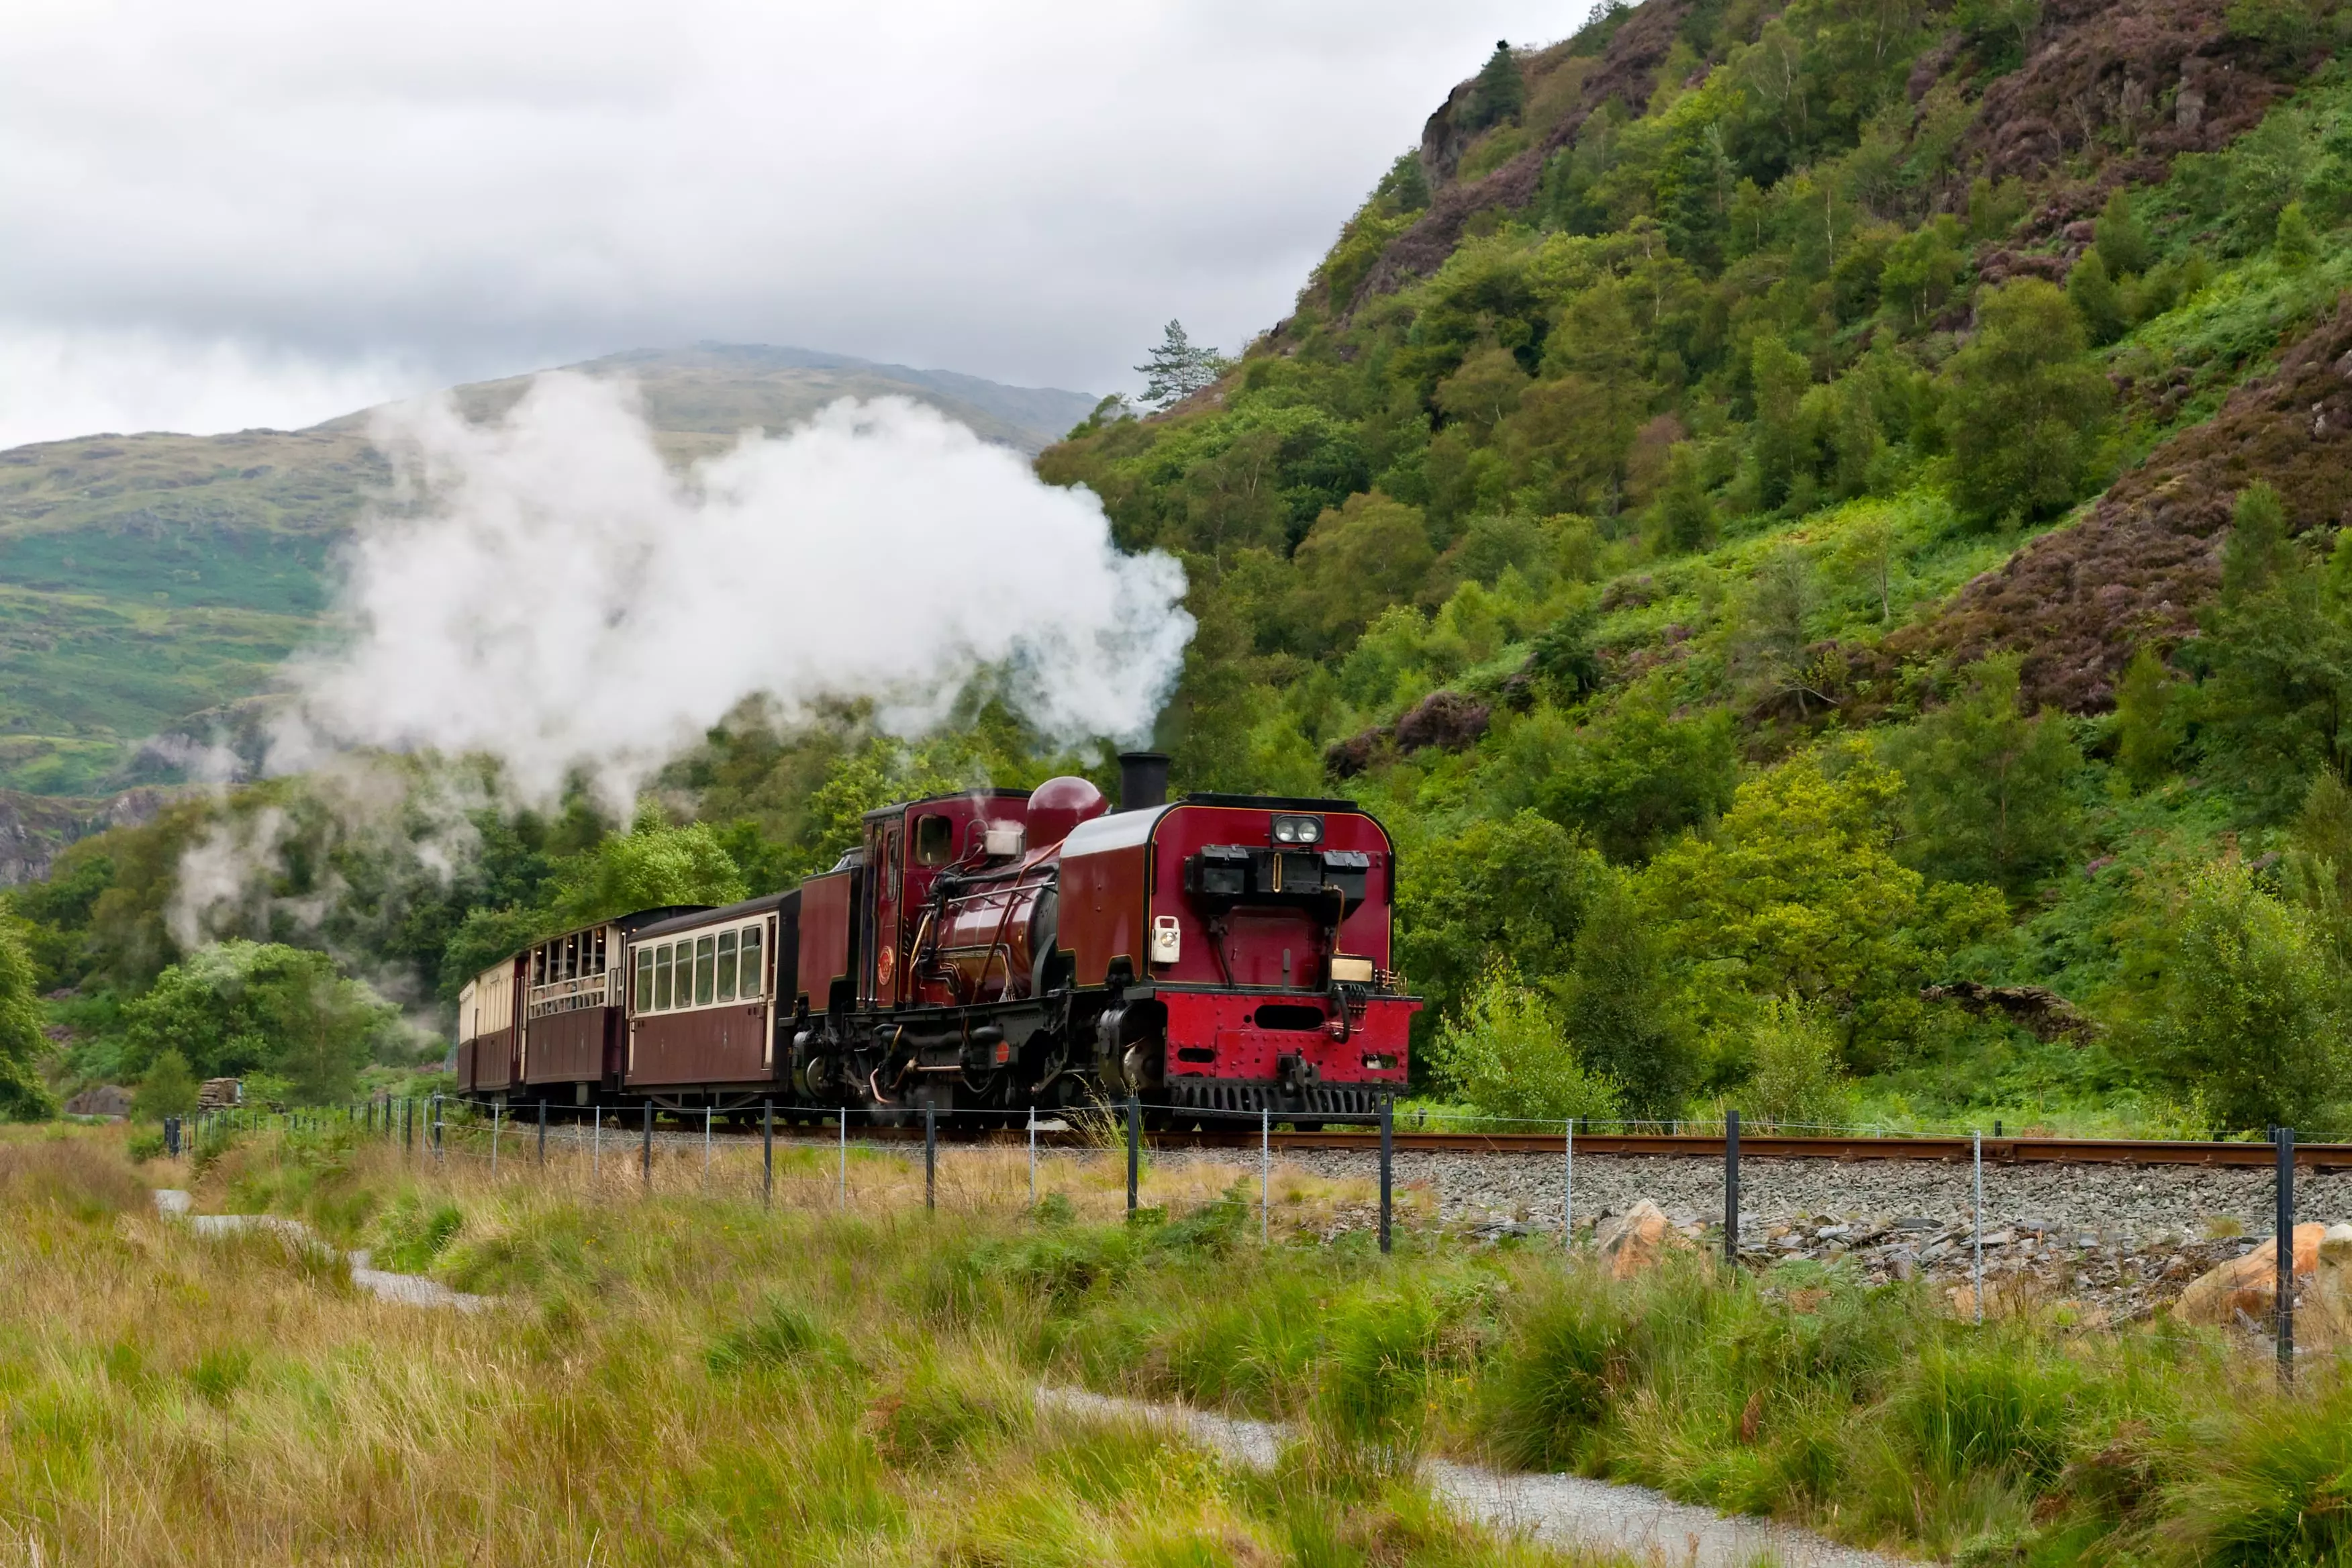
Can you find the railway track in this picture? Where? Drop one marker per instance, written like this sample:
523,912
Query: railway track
2005,1151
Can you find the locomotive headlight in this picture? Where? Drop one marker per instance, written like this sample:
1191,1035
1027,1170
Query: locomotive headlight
1298,830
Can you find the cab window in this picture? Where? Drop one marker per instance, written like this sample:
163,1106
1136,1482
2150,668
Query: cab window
934,840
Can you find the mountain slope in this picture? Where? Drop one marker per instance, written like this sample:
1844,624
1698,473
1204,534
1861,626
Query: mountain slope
147,578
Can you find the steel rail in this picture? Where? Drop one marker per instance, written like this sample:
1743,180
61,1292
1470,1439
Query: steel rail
1951,1148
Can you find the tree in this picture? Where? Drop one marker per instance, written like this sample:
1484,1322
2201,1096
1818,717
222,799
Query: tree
1357,560
1780,376
1798,892
2257,551
2294,244
1498,93
651,865
1513,889
2092,292
2122,244
1622,1009
1506,1055
1688,514
168,1089
241,1006
2026,407
1989,797
2151,719
1179,367
1634,777
2239,1005
22,1096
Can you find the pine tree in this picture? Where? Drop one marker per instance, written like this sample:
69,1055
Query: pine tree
1179,368
1499,92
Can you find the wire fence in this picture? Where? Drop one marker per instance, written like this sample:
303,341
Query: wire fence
851,1158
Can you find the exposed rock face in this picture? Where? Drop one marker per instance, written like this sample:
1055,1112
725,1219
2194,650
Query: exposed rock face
1448,719
103,1099
2040,1009
34,828
2078,602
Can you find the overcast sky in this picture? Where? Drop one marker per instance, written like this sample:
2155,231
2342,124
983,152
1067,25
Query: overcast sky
266,212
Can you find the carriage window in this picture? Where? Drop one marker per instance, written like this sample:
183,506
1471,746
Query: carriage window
725,966
644,978
755,979
661,978
596,963
705,968
934,840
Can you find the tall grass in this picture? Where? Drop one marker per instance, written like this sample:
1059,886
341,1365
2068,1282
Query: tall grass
678,1377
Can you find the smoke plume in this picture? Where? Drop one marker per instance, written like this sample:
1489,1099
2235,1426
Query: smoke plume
548,590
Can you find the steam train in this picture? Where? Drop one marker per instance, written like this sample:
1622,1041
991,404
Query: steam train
986,954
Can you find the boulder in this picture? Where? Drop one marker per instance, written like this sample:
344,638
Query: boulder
1636,1241
2247,1287
102,1100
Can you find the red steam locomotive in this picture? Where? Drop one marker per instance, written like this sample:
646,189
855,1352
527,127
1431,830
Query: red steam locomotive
987,953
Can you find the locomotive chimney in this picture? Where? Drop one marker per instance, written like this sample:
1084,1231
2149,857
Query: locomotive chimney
1142,780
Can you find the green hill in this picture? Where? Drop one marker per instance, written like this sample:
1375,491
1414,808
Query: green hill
144,579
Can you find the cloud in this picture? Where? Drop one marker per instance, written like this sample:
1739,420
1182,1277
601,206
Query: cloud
554,595
1025,190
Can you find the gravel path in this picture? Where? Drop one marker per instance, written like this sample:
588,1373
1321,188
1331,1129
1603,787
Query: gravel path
1569,1511
406,1289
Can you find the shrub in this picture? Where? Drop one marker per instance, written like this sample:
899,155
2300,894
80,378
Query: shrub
240,1005
1793,1078
1507,1055
168,1089
2237,1000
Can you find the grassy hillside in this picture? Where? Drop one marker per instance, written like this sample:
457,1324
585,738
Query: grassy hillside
144,579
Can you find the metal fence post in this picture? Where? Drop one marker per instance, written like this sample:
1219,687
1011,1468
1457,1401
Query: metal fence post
767,1152
707,1112
1033,1156
497,1120
842,1122
1134,1148
2285,1254
542,1129
1731,1188
1976,1145
645,1159
1568,1192
1387,1119
1266,1175
930,1157
596,1144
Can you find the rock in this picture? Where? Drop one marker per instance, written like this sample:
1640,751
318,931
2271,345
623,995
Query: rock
100,1100
1634,1242
2249,1285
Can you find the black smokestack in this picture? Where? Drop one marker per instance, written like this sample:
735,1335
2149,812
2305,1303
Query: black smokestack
1142,780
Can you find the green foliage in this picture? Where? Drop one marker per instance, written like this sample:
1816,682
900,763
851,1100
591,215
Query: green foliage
2095,298
651,865
1989,796
2237,1000
22,1096
1633,778
1798,892
2151,717
1356,561
1179,367
1793,1080
239,1007
1505,1053
1622,1008
1511,890
2026,408
2293,243
1498,93
2123,244
169,1089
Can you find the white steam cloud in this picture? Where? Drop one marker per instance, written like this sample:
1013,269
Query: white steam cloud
557,596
